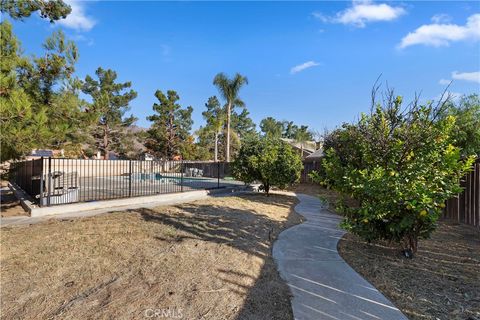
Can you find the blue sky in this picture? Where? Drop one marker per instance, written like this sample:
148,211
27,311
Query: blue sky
313,63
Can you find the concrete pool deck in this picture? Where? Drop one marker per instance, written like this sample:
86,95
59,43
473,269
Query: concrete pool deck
86,209
323,285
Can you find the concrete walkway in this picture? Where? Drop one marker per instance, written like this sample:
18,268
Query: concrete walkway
324,286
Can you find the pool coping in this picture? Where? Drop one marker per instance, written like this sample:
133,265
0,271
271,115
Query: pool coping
36,211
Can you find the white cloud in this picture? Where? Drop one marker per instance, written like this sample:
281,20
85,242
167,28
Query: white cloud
437,34
444,82
77,19
81,38
441,18
303,66
467,76
362,12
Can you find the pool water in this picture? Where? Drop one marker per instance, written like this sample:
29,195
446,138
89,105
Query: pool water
160,177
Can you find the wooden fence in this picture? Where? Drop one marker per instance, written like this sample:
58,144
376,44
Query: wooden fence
308,167
465,208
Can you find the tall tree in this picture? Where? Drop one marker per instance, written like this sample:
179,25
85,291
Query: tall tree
242,124
467,125
229,89
40,93
302,135
212,136
271,127
169,134
52,10
215,119
20,126
50,82
289,129
111,100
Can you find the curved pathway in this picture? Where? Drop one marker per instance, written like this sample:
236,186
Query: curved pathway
324,286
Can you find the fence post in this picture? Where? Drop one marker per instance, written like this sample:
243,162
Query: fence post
129,178
218,174
181,177
49,180
42,180
24,186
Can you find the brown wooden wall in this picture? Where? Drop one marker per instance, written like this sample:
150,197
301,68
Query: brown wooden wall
307,168
465,208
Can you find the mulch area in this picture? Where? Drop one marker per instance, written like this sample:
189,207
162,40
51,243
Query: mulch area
441,282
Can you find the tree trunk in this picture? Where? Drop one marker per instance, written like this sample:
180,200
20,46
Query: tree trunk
411,245
266,187
216,146
229,106
105,143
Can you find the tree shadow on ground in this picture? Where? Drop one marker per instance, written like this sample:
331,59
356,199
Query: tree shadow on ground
253,233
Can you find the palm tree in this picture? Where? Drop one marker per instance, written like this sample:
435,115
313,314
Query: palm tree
302,136
229,89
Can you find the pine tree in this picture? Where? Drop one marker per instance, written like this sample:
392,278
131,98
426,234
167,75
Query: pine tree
39,94
169,136
52,10
19,125
110,103
242,124
215,120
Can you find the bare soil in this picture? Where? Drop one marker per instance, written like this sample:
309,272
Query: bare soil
324,194
331,197
10,205
209,259
441,282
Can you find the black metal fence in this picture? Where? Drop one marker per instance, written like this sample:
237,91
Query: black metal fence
55,181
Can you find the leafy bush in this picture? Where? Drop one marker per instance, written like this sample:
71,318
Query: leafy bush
467,125
270,161
400,167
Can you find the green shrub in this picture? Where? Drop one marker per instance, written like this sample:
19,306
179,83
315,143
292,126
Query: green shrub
269,161
400,167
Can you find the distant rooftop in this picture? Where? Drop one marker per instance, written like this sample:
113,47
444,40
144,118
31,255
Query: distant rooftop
308,146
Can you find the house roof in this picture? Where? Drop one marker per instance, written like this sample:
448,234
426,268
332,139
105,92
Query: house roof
308,146
315,155
42,153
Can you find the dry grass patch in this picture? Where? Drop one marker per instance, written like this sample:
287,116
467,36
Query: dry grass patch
441,282
209,259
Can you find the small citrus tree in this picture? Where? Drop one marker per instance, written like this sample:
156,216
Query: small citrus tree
269,161
400,167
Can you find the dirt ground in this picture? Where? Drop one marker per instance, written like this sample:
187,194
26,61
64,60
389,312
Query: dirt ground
441,282
324,194
209,259
9,204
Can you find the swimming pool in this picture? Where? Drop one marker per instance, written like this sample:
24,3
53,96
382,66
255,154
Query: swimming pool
167,178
